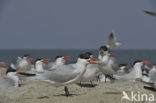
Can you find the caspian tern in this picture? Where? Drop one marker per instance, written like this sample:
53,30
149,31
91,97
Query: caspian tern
107,64
24,63
145,73
135,73
152,75
59,60
112,43
11,79
91,72
37,67
123,69
66,74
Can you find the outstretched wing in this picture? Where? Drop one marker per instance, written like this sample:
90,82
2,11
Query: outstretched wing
150,13
111,39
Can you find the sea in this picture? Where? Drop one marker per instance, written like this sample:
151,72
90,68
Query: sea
122,56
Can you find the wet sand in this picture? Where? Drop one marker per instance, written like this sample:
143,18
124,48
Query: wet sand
43,92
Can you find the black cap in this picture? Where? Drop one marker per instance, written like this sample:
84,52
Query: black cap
89,53
10,69
120,65
38,59
26,55
58,57
137,61
85,55
104,48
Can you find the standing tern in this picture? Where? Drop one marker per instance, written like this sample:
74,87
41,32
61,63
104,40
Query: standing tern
66,74
91,72
107,64
11,79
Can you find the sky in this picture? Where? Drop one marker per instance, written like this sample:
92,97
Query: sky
76,24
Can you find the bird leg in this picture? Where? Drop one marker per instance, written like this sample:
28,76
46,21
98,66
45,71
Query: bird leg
91,83
105,78
66,91
98,78
80,84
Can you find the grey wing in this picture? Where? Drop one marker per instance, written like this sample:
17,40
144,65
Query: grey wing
61,74
152,75
18,60
150,13
48,66
115,65
6,83
13,66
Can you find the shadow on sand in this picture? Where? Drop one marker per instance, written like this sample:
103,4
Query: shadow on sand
87,85
70,95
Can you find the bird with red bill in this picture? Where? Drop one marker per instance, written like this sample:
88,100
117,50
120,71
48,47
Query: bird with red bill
2,64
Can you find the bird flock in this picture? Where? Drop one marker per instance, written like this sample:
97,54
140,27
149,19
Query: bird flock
86,69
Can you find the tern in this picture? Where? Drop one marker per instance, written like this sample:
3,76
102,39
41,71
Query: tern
135,74
107,64
91,72
11,79
112,43
59,60
66,74
24,63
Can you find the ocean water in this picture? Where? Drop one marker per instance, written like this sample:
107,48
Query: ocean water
122,56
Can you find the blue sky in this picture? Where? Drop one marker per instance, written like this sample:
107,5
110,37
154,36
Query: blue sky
75,24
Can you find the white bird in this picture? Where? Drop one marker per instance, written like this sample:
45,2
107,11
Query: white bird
11,79
37,67
24,63
59,60
145,73
107,64
91,72
135,73
66,74
112,43
152,75
123,69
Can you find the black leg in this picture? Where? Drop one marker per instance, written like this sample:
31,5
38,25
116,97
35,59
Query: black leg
98,78
112,78
66,91
105,78
91,83
80,84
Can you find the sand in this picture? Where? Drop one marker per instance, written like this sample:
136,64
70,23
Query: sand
43,92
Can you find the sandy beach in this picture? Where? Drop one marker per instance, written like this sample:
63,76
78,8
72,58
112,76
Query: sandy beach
43,92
